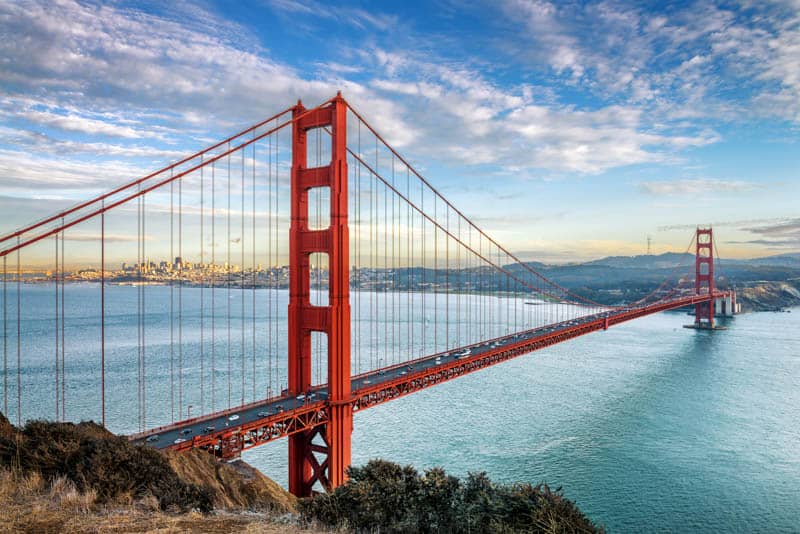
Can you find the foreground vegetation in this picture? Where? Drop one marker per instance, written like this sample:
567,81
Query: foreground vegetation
63,477
385,497
29,503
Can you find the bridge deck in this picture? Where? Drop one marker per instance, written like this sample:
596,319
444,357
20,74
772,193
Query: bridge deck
229,432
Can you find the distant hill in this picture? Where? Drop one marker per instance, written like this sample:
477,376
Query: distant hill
786,260
619,279
661,261
669,260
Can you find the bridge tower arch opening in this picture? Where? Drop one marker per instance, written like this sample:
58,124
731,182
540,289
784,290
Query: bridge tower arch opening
322,454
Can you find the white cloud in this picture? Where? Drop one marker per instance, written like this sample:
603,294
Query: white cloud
691,186
357,17
96,60
20,171
460,116
702,59
76,123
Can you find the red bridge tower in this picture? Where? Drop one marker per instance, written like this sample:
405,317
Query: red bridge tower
305,469
704,277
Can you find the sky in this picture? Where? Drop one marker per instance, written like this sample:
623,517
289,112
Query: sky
568,130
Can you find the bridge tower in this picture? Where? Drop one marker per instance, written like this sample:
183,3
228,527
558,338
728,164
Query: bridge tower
330,441
704,277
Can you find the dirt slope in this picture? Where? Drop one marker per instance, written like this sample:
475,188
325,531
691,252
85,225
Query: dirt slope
232,486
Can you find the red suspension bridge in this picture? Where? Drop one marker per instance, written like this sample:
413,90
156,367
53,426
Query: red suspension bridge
389,289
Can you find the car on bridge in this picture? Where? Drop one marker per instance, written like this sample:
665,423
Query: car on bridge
462,353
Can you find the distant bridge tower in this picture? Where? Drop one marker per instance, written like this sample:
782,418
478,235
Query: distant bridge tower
321,454
704,277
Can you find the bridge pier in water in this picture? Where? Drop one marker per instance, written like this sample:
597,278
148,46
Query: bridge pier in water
333,320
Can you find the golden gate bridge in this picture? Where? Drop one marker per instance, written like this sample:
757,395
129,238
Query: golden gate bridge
391,289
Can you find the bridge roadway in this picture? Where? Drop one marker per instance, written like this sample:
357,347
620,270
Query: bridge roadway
229,432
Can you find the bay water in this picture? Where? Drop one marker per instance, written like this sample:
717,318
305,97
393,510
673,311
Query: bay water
647,426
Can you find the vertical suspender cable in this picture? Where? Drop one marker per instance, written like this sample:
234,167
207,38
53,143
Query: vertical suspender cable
241,276
63,336
373,289
385,346
180,298
171,298
228,278
144,316
57,337
395,324
5,334
213,276
139,268
385,266
276,242
19,341
424,266
359,241
435,280
460,285
103,315
411,283
202,284
228,274
270,248
253,269
361,225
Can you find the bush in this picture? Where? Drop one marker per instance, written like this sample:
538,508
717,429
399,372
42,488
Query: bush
385,497
97,461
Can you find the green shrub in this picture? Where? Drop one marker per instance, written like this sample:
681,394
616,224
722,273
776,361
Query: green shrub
385,497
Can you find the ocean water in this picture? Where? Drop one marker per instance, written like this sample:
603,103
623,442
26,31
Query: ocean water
647,426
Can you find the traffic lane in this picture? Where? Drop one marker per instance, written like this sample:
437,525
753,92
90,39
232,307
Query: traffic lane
380,376
230,420
288,402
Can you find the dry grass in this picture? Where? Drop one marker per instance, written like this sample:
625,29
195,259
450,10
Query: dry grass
62,477
29,504
234,486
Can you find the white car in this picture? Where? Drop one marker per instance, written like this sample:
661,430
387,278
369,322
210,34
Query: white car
151,439
263,414
233,417
465,352
179,440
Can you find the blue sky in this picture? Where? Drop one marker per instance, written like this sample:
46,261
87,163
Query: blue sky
567,130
